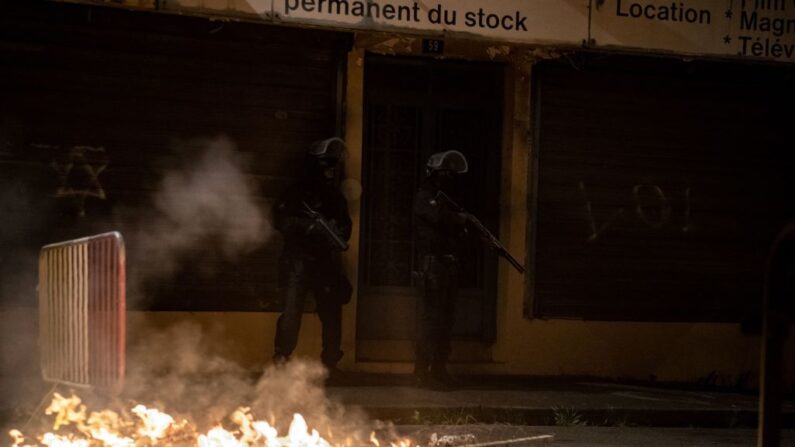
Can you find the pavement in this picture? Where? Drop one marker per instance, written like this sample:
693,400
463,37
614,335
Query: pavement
555,402
539,402
491,412
586,436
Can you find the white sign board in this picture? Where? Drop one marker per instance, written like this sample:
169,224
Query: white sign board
752,29
536,21
745,29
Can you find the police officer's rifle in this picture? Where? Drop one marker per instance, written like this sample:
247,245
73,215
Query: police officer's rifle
325,226
484,232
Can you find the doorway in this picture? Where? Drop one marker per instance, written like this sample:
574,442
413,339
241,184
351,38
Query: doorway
413,108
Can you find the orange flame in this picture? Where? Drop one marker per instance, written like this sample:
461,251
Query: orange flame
153,428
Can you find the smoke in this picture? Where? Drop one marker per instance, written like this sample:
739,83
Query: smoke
297,388
19,232
182,371
18,278
205,204
178,368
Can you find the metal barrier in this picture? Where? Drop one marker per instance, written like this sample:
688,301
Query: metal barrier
82,312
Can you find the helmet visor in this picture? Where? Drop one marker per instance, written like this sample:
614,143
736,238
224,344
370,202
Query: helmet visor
330,148
449,160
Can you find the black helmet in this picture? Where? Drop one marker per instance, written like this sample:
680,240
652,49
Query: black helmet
447,161
330,150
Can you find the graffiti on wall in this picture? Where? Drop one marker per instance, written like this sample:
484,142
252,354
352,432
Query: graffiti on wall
649,204
78,169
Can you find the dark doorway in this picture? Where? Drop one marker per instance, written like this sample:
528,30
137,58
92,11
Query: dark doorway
413,108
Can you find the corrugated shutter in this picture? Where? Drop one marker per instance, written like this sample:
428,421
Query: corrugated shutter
660,186
122,89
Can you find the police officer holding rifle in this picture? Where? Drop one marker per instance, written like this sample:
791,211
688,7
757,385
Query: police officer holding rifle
312,215
441,229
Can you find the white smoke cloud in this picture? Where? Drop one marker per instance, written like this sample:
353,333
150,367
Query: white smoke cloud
207,203
182,370
179,368
297,387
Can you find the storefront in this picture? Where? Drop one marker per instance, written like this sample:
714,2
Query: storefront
633,159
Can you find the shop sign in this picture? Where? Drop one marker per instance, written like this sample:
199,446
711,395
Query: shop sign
748,29
532,21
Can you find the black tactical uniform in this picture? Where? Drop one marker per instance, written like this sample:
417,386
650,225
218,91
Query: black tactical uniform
439,235
310,260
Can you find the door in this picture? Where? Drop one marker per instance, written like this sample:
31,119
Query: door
414,108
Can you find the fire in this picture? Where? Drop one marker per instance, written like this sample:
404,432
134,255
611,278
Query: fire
18,437
150,427
66,410
156,425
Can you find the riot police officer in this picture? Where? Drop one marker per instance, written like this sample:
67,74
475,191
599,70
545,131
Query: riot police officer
439,233
312,215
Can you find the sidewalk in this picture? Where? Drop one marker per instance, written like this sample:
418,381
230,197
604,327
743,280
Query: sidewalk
594,436
537,402
551,402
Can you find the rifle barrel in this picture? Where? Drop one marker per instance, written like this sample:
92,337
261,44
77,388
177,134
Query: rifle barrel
320,220
503,252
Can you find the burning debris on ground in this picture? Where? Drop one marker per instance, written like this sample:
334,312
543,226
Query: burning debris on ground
258,422
75,427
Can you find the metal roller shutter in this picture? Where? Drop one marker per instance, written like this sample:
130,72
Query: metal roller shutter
660,187
114,92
